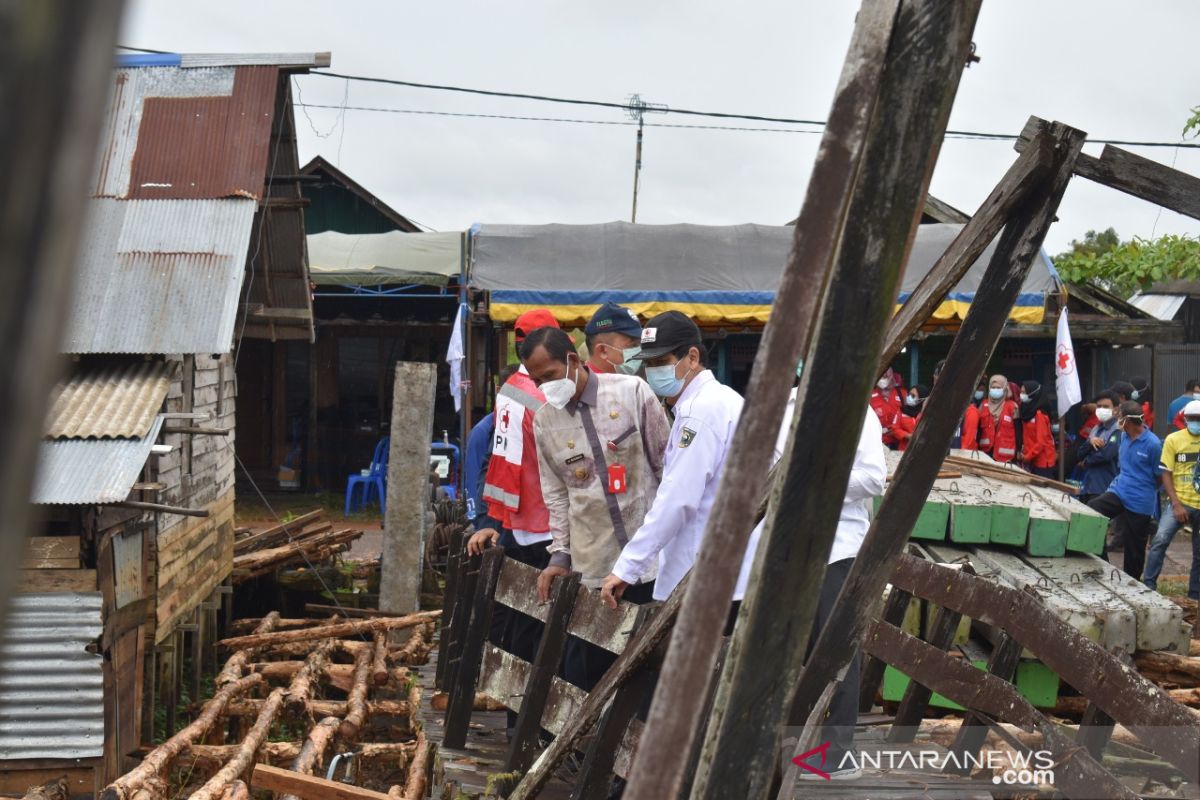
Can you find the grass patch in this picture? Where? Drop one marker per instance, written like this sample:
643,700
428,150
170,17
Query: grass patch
1169,587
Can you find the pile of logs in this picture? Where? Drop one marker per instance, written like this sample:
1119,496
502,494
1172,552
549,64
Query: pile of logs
308,539
335,678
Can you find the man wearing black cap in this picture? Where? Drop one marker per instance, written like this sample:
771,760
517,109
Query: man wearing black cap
613,334
706,414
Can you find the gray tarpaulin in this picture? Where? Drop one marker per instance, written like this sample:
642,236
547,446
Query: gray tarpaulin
713,273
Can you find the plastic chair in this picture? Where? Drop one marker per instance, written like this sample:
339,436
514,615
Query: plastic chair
374,483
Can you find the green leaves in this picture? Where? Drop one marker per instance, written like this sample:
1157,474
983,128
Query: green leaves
1136,265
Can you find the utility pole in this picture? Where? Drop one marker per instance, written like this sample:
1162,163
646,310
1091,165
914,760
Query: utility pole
637,109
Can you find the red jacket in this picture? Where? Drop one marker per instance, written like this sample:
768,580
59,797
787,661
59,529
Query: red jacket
1148,415
886,406
1038,443
998,437
513,486
969,434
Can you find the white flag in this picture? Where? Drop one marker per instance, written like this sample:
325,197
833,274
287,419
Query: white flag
455,355
1067,381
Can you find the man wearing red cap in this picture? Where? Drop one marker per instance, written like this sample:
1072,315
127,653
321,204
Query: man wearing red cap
513,489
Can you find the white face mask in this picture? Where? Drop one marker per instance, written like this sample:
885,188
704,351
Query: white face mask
883,384
560,392
1104,414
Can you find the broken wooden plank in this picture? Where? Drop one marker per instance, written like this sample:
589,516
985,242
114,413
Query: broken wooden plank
341,629
51,552
1164,725
921,70
1018,247
591,620
1078,775
524,742
1138,176
970,737
308,787
894,611
916,696
462,692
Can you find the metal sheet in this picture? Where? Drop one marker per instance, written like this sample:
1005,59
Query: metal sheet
249,59
109,402
206,147
160,276
1159,306
131,87
127,564
87,471
51,688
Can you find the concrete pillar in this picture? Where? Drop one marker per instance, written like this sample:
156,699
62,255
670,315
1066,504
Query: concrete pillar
407,487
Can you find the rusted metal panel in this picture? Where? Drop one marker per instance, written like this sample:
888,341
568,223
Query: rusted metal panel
109,402
127,564
160,276
206,147
51,688
89,471
120,136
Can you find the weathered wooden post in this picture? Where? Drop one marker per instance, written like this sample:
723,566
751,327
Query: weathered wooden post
407,487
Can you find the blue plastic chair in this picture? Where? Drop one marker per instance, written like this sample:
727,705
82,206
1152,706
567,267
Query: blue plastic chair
374,483
450,482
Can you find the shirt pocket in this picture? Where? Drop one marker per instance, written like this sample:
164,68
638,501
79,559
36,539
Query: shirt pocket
576,466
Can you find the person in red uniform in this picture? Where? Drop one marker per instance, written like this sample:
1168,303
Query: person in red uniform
886,402
998,421
1141,393
1038,454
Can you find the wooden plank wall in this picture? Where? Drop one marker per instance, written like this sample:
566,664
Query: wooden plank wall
194,554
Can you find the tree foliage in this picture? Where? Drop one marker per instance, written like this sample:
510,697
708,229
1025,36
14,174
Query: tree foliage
1127,267
1193,124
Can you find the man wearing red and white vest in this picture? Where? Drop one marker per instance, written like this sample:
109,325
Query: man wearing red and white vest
513,487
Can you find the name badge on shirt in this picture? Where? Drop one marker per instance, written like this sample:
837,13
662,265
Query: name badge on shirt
616,479
576,457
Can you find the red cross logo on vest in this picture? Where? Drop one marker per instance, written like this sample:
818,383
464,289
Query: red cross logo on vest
504,421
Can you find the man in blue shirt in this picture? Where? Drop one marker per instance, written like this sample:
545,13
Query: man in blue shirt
1098,455
1132,498
1192,393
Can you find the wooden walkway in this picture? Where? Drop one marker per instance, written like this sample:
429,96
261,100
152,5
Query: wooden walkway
468,769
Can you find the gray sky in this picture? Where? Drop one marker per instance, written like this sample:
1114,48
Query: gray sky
1118,70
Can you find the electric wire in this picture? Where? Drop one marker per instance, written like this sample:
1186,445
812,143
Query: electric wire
693,112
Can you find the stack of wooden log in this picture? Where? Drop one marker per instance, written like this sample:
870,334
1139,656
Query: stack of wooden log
343,682
308,539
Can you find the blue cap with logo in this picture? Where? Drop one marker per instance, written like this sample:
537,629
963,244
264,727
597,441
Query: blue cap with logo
612,318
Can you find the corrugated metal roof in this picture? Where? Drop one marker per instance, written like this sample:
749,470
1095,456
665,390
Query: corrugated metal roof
159,276
1159,306
51,688
109,402
90,471
206,147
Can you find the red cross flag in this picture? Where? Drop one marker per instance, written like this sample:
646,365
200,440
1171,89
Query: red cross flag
1067,377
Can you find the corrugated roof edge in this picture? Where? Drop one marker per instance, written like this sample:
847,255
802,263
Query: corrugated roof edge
190,60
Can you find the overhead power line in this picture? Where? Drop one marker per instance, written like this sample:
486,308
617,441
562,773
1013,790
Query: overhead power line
671,110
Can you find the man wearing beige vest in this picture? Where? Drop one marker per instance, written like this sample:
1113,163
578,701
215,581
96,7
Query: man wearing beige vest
601,439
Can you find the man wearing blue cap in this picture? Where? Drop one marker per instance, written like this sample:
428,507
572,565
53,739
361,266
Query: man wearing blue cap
613,336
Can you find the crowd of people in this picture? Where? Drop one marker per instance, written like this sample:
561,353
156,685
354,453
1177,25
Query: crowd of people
608,466
1148,486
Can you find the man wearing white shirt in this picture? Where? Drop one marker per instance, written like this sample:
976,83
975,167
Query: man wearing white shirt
867,478
706,414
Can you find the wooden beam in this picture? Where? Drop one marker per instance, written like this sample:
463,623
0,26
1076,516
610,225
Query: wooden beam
197,431
1076,773
862,593
927,50
1135,175
56,580
916,696
462,693
1025,174
696,643
161,508
1167,727
1006,655
307,787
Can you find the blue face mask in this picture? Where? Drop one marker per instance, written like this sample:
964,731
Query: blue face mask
1135,395
996,393
1193,426
978,395
663,381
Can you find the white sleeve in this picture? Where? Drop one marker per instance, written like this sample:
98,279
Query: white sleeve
869,472
677,500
